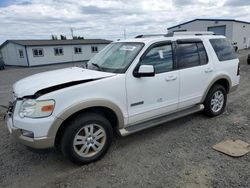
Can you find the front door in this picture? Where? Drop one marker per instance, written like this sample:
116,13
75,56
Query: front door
150,97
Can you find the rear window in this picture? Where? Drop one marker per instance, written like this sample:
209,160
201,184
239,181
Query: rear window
223,49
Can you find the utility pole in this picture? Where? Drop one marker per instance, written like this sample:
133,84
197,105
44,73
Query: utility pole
124,33
72,32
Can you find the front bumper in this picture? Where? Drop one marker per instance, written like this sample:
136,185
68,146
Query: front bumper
38,143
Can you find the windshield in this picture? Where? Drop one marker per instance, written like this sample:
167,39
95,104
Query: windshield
116,57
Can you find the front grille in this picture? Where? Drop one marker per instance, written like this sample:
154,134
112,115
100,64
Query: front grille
11,108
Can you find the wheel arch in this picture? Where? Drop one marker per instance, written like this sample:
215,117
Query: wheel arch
223,80
110,110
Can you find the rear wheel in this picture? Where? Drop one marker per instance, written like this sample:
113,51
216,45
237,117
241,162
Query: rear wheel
216,101
87,138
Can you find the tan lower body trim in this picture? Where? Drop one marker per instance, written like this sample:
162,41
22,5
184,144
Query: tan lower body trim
38,143
234,88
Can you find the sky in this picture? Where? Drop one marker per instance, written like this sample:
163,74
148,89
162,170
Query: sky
107,19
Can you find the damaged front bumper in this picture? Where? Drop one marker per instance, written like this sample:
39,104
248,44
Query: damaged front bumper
18,134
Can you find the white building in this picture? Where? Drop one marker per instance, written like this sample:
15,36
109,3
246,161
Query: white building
234,30
42,52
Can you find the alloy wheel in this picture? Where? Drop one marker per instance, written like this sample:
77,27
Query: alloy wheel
217,101
89,140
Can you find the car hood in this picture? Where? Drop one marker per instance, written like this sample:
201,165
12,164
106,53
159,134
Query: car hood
30,85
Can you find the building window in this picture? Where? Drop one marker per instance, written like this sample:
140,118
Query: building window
58,51
78,50
38,52
21,54
94,49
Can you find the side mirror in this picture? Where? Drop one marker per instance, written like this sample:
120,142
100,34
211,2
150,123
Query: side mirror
145,71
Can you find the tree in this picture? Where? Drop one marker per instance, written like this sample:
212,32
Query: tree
63,37
78,38
53,37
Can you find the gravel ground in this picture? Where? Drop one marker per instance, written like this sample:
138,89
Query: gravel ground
177,154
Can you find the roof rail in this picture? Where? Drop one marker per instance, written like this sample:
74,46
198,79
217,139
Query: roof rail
197,33
177,33
150,36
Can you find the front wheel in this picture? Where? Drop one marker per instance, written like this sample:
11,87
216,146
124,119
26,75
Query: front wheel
87,138
216,100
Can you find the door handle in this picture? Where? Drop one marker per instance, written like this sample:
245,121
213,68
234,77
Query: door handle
208,70
171,78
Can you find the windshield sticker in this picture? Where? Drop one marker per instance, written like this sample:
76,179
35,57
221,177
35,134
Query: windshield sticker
161,54
128,48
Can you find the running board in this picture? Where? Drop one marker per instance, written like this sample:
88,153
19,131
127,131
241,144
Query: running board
163,119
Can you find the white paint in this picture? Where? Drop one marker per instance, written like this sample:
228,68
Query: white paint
241,31
69,55
195,80
159,96
235,31
10,54
164,93
31,84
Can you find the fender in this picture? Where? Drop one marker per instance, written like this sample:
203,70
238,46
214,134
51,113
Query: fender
213,82
84,105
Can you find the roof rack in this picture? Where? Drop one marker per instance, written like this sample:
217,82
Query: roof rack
196,33
177,33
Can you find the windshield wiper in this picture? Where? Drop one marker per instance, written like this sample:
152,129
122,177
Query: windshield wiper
96,65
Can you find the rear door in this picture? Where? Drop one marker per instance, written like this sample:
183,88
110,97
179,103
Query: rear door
196,71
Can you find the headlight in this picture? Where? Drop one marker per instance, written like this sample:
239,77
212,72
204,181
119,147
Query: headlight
36,109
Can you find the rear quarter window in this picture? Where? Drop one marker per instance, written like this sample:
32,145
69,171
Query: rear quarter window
223,49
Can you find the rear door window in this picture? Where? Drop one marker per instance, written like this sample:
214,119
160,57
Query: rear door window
223,49
190,55
202,53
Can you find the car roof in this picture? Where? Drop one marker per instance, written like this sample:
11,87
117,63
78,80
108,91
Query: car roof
172,38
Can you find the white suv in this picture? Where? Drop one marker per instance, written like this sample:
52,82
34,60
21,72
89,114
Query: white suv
129,86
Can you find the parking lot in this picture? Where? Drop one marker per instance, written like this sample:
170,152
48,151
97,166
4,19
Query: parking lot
175,154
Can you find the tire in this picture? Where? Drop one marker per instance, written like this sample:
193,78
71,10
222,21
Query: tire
94,132
217,96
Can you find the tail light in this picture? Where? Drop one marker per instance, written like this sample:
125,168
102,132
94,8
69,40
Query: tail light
238,71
